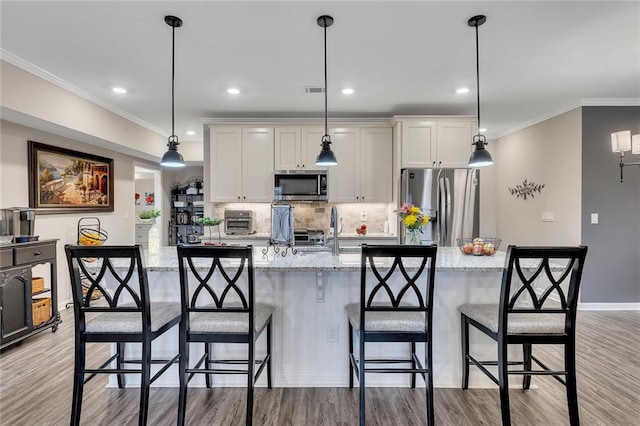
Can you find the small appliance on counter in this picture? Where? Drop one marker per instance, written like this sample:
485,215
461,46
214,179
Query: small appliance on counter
18,222
239,222
310,237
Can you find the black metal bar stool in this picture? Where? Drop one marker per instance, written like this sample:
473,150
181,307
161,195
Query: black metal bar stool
121,321
402,316
218,304
529,317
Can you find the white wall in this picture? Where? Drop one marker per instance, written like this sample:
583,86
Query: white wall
547,153
15,192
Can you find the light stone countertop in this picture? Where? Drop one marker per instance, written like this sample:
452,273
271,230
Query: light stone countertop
449,259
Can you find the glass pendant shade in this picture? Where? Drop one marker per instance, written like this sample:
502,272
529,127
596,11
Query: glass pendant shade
621,141
172,158
480,157
635,144
326,156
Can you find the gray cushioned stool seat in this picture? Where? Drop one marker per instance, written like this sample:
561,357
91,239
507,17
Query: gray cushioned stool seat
131,322
386,321
229,322
487,315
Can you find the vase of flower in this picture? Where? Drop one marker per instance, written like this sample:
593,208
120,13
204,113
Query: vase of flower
413,220
413,237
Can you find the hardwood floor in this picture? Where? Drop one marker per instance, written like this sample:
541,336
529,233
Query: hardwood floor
36,381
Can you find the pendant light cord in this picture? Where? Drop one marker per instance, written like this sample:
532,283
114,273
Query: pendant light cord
326,127
173,72
478,76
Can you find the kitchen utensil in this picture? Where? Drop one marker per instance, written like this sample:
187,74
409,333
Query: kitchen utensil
182,218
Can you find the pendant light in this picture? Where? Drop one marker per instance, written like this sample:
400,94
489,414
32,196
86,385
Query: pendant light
480,156
326,156
172,157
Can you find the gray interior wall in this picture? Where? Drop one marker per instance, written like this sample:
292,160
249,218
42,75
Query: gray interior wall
612,270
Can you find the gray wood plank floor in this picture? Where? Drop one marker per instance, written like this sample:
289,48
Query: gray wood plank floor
36,383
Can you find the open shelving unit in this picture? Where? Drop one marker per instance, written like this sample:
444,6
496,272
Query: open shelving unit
187,206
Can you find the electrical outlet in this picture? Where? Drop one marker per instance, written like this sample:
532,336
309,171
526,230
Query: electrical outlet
363,215
332,333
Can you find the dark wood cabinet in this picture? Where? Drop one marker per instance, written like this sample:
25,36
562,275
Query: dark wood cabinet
17,298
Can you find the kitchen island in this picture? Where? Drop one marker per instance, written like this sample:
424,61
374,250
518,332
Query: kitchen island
309,291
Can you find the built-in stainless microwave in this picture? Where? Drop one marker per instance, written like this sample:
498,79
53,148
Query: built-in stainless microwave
300,185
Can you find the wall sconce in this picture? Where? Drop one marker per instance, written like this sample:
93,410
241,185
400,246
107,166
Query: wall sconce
622,142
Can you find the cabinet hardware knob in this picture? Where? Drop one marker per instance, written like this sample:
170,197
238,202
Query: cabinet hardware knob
37,253
238,197
297,165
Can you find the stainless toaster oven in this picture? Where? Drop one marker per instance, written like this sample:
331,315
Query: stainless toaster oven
239,222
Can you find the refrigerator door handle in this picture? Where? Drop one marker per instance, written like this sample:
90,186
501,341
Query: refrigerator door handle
448,211
442,212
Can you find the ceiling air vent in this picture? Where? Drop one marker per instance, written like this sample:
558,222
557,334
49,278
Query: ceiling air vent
314,90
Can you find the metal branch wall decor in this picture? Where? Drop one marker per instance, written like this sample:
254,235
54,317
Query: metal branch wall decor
526,189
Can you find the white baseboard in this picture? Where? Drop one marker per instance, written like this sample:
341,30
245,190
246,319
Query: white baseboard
608,306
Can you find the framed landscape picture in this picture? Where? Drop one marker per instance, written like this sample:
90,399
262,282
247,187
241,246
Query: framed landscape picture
66,181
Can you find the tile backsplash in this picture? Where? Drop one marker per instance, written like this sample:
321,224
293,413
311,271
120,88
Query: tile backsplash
317,215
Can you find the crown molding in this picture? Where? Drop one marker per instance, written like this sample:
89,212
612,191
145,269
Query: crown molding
290,120
27,66
571,106
610,101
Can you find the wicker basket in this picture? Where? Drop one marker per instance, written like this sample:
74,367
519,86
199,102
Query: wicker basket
41,310
37,284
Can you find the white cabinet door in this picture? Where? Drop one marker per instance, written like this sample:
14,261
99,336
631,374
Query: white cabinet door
310,147
344,178
376,166
288,148
257,165
454,143
225,152
418,143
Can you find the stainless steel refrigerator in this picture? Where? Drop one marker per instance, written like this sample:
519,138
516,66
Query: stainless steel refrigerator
449,196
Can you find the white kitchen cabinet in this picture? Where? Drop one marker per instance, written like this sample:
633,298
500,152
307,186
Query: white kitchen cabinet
344,178
453,148
296,148
142,234
376,182
364,169
241,162
436,142
257,165
418,143
225,152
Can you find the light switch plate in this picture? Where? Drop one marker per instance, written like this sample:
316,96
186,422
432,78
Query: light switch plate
594,218
547,216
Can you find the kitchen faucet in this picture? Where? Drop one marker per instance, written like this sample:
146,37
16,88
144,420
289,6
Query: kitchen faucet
334,224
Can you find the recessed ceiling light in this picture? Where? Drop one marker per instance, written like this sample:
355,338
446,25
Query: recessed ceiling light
482,129
191,132
462,90
120,90
347,91
233,91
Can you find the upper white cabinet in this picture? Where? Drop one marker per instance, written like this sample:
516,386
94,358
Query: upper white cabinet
418,143
454,143
241,164
436,142
296,148
364,169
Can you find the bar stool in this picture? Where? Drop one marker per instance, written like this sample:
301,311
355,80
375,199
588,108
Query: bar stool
128,316
217,310
516,320
394,319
